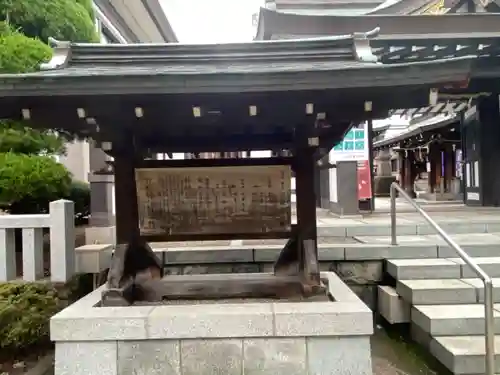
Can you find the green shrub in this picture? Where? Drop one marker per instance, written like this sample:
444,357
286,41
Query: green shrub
80,194
60,19
19,53
25,312
87,5
28,183
15,137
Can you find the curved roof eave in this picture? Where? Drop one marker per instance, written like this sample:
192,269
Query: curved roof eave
159,17
400,7
155,15
275,23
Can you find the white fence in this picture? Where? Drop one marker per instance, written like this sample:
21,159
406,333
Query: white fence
61,224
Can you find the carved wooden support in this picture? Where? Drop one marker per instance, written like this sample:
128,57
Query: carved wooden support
131,265
288,260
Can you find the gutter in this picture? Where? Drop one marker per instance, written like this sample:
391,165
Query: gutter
109,10
157,15
107,23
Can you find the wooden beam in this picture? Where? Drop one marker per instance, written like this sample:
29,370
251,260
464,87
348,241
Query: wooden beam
202,287
214,236
196,163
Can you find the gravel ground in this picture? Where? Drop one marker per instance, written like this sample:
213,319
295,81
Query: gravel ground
394,354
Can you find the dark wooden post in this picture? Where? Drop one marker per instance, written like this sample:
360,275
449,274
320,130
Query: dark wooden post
431,177
306,214
401,167
127,212
409,173
448,167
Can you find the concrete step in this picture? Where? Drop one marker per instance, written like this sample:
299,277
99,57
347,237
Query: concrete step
415,226
329,248
437,291
391,306
414,269
452,320
443,268
463,355
445,291
475,244
490,265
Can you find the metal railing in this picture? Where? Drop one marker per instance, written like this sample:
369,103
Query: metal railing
489,326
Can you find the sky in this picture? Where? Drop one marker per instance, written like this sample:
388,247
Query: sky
212,21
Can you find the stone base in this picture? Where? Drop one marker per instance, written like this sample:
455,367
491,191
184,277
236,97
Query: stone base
100,235
210,337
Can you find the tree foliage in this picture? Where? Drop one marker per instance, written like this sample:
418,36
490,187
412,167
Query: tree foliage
24,27
60,19
20,54
16,137
29,178
29,182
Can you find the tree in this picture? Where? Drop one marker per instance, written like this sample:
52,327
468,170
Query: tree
29,182
29,176
60,19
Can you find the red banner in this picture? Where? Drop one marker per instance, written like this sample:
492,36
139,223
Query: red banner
364,180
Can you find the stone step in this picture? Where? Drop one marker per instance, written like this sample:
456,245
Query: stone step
475,244
382,227
445,291
329,249
414,269
436,291
452,320
391,306
463,355
443,268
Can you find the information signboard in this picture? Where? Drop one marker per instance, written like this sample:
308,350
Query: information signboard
252,199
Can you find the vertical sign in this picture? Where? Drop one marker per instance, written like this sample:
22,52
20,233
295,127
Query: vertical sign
364,180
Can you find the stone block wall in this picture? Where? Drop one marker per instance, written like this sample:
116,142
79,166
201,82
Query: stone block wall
259,356
247,338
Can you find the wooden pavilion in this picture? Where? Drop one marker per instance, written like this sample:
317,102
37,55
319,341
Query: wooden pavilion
136,100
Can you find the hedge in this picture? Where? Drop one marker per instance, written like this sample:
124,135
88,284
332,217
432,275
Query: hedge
60,19
29,180
25,312
19,53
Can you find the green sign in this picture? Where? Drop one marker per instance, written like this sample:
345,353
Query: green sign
352,147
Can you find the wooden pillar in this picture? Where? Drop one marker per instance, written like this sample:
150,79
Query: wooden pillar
448,167
127,212
434,167
401,167
306,214
409,173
